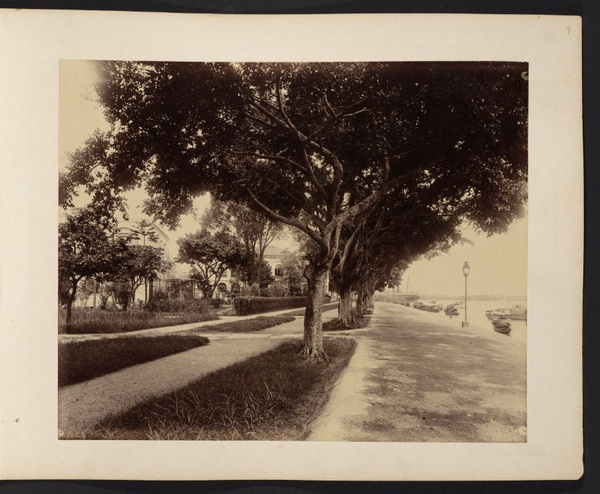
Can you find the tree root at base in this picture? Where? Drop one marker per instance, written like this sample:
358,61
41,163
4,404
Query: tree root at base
313,355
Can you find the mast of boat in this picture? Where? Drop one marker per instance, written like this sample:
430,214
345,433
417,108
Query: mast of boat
407,280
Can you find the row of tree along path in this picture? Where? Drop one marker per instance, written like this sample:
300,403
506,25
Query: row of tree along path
372,164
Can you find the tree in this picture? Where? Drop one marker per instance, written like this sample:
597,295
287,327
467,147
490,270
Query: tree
144,230
86,289
120,290
311,146
387,239
138,265
87,249
104,293
262,267
253,228
292,265
210,256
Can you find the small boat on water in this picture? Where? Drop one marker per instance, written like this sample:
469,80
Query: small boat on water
517,313
497,312
500,320
451,311
429,307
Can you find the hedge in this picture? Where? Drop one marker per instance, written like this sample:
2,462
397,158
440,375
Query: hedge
161,304
245,306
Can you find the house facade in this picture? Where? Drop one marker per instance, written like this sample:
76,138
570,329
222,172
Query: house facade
273,255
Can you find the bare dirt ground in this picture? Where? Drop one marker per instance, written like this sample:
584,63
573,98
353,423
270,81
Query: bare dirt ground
416,377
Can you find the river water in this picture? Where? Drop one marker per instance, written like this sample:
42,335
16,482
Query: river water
477,318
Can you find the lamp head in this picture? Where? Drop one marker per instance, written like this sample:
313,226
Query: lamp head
466,269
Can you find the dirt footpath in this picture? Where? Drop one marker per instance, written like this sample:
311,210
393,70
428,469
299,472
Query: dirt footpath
418,377
81,406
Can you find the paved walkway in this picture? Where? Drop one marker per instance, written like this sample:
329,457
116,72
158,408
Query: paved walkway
421,377
81,406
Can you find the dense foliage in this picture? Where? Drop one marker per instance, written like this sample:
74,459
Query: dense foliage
317,146
210,255
94,257
254,229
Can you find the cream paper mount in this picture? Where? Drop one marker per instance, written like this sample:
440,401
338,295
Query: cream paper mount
32,44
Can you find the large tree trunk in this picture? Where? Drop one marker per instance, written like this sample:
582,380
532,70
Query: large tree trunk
70,303
361,302
346,317
369,300
313,321
131,301
251,267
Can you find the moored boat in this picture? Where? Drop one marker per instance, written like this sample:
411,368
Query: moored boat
497,312
428,307
500,321
451,310
518,313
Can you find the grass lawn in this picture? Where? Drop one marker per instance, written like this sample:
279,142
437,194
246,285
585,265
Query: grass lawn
248,326
79,361
273,396
88,321
300,312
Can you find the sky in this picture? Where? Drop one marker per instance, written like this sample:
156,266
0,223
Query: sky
498,263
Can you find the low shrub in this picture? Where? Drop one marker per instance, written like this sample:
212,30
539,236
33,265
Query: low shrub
217,303
163,304
245,306
273,396
79,361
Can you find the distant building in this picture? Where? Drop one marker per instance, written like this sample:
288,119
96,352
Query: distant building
273,255
154,237
130,227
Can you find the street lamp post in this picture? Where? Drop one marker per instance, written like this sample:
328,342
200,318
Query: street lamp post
466,270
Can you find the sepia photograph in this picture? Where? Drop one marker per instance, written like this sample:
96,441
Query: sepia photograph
242,252
293,251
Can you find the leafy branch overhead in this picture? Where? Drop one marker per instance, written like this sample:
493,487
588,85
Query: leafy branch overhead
320,147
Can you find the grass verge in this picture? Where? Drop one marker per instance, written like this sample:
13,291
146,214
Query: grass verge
79,361
87,321
248,326
300,312
336,324
273,396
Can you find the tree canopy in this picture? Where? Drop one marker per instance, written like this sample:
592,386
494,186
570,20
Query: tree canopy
210,256
313,145
140,264
87,248
253,228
